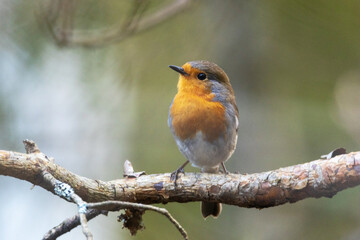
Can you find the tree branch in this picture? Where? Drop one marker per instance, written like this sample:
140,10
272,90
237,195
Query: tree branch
59,17
320,178
68,224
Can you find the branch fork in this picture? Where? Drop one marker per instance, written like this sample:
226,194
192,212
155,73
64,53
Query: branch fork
87,211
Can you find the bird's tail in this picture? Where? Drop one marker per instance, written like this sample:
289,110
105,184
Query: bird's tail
211,208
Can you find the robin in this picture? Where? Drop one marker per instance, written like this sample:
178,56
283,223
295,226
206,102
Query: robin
203,119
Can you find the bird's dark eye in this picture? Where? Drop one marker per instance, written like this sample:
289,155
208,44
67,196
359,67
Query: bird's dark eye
201,76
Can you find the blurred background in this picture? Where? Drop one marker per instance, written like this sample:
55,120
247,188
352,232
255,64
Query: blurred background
294,66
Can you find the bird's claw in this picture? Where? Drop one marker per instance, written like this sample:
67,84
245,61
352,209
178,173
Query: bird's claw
224,170
175,175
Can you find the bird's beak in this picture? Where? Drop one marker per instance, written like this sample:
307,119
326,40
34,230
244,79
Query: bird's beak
179,70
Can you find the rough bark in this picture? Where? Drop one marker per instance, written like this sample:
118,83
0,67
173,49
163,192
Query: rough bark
319,178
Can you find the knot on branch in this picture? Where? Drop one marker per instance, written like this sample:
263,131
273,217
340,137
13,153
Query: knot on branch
30,146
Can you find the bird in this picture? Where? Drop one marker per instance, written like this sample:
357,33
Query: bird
204,119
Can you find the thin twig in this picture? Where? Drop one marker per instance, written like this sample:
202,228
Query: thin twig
82,210
70,223
85,227
109,205
65,191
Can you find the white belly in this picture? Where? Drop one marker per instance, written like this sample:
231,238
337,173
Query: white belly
207,155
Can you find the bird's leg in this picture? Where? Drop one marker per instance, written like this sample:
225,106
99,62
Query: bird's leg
174,174
224,168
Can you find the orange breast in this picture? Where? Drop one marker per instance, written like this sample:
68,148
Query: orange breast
191,113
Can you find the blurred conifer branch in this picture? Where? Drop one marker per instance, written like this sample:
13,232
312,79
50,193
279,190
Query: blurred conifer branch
58,16
315,179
